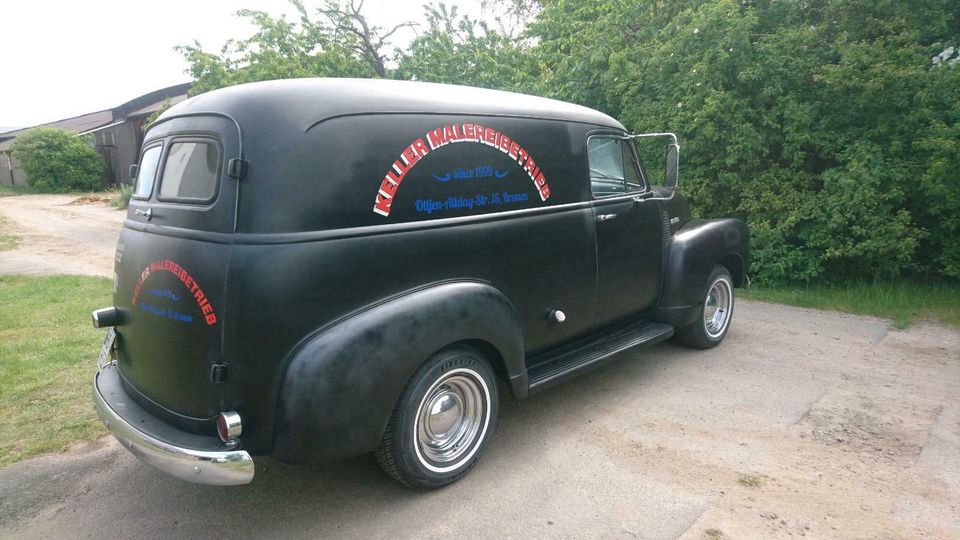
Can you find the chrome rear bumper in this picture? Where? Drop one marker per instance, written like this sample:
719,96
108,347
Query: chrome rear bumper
195,458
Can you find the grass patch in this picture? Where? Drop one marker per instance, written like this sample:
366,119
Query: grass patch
749,480
120,199
901,302
714,534
7,241
7,190
47,360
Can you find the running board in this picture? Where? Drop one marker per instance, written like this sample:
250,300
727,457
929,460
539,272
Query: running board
582,356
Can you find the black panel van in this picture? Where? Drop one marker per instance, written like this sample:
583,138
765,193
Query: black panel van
319,268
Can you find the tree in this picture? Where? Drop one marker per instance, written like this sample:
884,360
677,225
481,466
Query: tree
457,49
824,125
351,29
340,44
152,117
56,160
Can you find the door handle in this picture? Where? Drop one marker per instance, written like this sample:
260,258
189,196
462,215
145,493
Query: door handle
605,217
148,213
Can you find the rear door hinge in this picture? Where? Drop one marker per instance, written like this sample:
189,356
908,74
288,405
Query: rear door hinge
218,373
237,168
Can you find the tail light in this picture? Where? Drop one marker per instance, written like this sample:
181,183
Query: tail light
229,426
106,317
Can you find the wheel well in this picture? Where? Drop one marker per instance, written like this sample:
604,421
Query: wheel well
490,353
734,265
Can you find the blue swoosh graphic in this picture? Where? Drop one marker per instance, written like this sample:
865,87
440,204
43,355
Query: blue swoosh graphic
500,174
444,178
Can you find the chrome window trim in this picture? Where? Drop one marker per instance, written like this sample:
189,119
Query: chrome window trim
643,177
191,138
153,186
676,143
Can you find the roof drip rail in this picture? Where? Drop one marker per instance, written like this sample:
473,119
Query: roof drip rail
206,113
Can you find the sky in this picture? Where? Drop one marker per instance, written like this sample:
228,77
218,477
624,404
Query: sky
65,58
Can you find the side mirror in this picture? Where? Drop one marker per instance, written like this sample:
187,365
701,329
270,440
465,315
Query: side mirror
651,148
673,166
133,171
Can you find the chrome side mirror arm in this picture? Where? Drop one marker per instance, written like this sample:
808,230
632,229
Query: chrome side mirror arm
672,159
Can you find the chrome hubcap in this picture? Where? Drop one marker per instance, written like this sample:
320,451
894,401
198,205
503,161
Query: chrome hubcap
450,418
445,414
716,309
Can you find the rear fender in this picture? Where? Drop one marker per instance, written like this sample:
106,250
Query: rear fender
340,386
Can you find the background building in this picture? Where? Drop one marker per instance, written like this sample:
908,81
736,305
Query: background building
116,133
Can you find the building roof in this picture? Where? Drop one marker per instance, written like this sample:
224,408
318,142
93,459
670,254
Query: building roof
307,102
76,124
135,108
150,102
152,108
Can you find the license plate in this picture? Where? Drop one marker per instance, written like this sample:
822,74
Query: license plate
106,351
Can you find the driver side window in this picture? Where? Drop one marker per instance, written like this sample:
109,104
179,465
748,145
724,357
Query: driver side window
613,169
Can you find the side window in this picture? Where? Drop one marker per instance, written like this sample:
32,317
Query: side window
147,172
606,166
631,172
190,172
613,168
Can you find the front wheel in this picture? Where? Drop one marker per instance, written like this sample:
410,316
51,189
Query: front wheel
711,326
442,421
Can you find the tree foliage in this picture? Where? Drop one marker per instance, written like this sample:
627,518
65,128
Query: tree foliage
56,160
152,117
824,125
310,46
351,28
457,49
832,127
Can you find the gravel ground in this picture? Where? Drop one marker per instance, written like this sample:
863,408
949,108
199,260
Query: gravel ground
802,423
62,234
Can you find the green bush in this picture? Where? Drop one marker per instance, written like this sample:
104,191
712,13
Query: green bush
58,161
831,128
121,200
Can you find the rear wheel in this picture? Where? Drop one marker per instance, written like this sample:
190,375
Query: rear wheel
442,421
715,313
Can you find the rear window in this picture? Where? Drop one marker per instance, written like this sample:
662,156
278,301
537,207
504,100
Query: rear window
190,172
147,172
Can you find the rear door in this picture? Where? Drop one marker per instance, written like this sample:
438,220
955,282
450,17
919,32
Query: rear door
628,230
171,266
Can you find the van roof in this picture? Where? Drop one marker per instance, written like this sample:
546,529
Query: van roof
307,102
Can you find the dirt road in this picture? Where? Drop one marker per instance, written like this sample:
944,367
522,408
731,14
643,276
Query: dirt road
801,424
60,235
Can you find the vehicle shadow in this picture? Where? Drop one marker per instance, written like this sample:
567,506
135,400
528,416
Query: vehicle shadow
538,442
287,499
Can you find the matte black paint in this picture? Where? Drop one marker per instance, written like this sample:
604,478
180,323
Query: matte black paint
272,316
629,256
326,308
693,253
354,370
593,351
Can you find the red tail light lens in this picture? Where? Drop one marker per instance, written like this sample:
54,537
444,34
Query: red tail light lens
229,426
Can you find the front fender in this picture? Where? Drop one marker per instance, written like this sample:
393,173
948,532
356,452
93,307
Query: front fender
693,253
340,386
